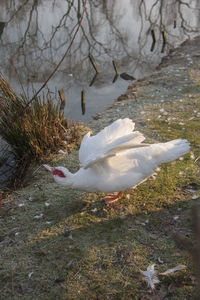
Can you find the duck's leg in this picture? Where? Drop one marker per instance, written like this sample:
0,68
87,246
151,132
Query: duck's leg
110,198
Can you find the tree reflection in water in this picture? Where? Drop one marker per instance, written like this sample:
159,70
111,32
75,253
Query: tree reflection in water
136,34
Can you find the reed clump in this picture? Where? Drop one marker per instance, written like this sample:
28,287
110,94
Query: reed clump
35,131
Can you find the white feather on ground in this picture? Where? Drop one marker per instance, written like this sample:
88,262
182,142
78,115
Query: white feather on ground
173,270
150,276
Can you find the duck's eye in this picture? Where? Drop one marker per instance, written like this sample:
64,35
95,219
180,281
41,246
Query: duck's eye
58,173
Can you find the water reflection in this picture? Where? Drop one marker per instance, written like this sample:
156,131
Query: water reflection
136,34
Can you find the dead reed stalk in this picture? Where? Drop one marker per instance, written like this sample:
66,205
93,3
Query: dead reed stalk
36,133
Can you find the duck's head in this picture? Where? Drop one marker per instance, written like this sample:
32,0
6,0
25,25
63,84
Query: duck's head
60,174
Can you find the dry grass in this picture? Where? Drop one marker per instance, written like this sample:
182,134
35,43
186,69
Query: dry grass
35,132
193,247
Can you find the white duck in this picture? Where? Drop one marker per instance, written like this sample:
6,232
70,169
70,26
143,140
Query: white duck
115,160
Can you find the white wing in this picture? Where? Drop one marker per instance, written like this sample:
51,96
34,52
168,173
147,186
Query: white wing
119,134
126,168
113,150
146,157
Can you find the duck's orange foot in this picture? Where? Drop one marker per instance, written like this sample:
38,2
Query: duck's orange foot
111,198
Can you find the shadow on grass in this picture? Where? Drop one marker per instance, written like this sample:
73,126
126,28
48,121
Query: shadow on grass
88,254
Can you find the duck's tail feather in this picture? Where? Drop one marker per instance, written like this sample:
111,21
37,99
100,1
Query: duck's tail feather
173,150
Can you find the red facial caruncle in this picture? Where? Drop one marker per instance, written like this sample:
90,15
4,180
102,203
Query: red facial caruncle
55,171
58,173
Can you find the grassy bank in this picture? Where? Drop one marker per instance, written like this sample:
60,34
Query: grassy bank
58,243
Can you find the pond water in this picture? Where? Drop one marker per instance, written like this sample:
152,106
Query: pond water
135,34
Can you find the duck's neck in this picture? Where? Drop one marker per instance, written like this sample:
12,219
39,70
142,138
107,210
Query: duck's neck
80,179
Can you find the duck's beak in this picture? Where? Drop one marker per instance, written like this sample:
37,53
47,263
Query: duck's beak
48,168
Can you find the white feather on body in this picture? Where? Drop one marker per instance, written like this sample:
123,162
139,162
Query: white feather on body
115,159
